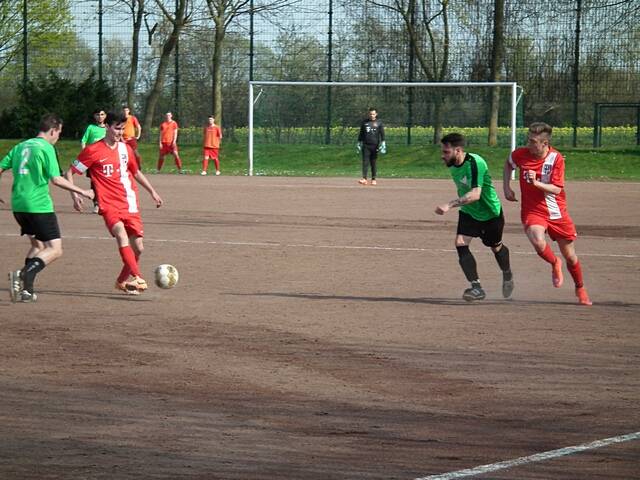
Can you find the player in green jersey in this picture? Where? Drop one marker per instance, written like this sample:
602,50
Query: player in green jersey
480,214
94,133
34,163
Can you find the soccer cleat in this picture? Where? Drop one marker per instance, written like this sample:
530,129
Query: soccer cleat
127,288
96,208
15,285
507,288
362,181
139,284
217,172
474,293
28,297
556,273
583,296
203,172
373,182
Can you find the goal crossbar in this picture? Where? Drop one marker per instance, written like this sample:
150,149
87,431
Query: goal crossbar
253,83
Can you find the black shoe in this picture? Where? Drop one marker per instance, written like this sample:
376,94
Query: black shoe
474,293
507,286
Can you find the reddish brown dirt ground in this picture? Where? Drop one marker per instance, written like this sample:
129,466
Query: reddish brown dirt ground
318,332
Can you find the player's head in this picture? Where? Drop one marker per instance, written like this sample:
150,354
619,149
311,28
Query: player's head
115,122
50,127
126,110
452,148
373,113
211,119
99,115
168,116
538,139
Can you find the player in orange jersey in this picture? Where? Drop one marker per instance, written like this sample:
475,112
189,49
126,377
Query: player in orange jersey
168,141
544,204
131,134
211,145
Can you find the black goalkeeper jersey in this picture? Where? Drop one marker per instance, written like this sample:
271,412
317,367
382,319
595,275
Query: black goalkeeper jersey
371,132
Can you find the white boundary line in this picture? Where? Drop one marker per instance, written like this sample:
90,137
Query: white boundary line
538,457
308,245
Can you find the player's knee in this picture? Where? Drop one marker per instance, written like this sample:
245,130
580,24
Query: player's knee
463,252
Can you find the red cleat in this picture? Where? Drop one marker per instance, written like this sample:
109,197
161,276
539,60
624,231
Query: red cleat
583,296
556,273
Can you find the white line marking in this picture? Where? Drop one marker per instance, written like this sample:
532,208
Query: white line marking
337,247
538,457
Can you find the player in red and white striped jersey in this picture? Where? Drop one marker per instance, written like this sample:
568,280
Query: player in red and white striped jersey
544,204
113,168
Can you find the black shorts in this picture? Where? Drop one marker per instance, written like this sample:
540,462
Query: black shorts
489,231
42,226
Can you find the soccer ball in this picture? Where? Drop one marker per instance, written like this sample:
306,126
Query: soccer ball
166,276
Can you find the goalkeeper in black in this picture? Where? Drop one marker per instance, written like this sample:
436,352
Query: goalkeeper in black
370,142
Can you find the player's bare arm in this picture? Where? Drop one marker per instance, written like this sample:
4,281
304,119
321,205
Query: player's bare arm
509,194
77,199
68,185
471,196
142,180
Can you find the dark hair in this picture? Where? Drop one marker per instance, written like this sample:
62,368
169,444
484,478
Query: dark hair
373,109
98,110
49,121
454,139
113,118
538,128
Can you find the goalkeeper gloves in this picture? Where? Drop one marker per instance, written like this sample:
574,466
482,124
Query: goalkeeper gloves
383,148
359,147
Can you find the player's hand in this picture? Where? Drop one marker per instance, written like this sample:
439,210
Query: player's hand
530,176
359,147
77,202
442,209
157,199
509,194
90,194
383,148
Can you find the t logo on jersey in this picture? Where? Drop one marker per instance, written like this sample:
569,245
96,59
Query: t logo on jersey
107,170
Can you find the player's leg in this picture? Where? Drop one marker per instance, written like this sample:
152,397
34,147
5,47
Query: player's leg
205,163
537,236
365,164
468,228
374,169
176,158
567,248
216,159
161,156
492,238
129,260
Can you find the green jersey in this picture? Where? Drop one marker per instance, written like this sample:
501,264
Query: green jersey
33,163
471,174
92,134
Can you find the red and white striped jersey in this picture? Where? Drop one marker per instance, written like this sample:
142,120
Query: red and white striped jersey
111,171
548,170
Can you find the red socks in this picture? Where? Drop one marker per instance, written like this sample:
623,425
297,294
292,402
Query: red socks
130,261
548,255
576,273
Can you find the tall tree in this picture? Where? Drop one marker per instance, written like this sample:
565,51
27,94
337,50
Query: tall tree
427,24
177,22
222,13
497,57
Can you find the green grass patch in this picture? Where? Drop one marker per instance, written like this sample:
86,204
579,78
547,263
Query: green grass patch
605,163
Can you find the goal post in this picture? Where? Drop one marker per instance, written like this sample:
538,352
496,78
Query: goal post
512,86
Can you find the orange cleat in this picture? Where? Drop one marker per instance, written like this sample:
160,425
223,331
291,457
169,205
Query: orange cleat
556,273
373,182
127,288
362,181
583,296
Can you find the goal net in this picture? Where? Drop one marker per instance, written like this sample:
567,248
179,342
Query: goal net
328,115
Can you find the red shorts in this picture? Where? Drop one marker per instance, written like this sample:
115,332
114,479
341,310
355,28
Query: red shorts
167,148
132,221
132,142
210,152
562,228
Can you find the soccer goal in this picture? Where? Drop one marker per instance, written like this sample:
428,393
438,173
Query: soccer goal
329,113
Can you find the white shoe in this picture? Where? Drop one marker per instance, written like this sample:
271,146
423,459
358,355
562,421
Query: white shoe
203,172
96,209
217,172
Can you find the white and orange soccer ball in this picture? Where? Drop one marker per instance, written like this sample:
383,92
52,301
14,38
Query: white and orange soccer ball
166,276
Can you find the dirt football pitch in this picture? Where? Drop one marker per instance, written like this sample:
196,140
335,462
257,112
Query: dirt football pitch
318,333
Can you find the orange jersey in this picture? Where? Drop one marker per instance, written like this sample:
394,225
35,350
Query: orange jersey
130,127
212,136
168,131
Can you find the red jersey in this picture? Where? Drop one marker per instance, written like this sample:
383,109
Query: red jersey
112,171
168,131
212,136
548,170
